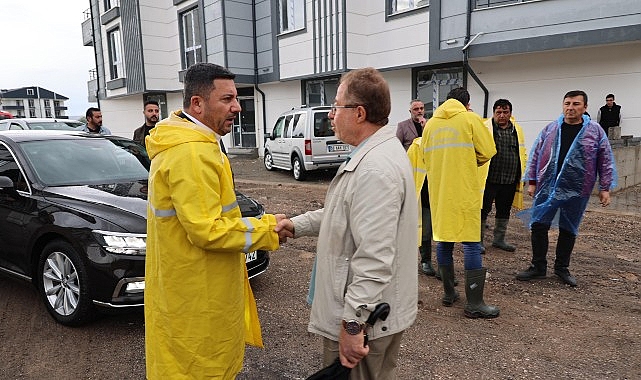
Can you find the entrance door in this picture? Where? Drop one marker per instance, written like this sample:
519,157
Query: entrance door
244,129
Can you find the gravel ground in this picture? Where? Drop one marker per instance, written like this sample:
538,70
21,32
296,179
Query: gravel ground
546,330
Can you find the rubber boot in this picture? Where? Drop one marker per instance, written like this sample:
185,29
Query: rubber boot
540,242
483,223
500,227
564,247
450,294
426,258
438,276
475,307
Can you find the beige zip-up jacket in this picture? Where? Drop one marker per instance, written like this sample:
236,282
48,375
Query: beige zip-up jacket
367,240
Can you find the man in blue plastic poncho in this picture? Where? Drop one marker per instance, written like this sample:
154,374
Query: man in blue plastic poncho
564,163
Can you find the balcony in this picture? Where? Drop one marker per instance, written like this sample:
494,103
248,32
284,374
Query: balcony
92,87
87,35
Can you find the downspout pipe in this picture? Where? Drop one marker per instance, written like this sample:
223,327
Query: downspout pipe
466,64
262,94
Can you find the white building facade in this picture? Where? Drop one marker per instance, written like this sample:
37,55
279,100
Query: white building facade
287,53
32,102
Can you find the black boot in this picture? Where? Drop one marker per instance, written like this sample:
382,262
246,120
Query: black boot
438,276
450,294
483,223
564,247
500,227
475,307
426,258
540,242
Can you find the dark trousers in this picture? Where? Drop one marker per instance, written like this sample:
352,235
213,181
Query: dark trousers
502,196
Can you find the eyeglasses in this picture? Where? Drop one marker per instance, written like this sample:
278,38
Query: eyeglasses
334,107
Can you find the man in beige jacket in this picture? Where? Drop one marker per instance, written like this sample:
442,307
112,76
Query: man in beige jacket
367,235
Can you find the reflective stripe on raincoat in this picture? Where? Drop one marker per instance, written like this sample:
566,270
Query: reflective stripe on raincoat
589,155
517,203
199,307
455,143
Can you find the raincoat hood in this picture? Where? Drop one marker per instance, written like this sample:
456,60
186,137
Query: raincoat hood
449,109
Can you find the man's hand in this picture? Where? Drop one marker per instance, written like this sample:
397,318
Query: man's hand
530,190
422,120
350,348
604,198
284,228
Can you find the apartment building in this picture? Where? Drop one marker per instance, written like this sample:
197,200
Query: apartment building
33,101
288,53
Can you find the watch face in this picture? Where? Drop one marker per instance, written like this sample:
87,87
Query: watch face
352,327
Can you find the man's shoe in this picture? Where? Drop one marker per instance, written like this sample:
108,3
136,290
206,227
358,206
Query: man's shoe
565,276
530,273
427,269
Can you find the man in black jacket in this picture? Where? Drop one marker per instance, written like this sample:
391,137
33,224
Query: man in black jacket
151,111
609,115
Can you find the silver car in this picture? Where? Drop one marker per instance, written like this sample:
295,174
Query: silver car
302,140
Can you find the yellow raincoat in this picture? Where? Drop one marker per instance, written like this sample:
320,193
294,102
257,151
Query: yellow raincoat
455,143
485,169
415,154
199,307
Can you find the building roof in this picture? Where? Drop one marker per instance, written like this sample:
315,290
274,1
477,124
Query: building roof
38,93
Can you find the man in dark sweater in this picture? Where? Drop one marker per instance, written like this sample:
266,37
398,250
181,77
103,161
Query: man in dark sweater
151,111
609,115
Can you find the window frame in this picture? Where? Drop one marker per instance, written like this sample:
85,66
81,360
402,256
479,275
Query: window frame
282,29
30,91
193,32
114,45
413,5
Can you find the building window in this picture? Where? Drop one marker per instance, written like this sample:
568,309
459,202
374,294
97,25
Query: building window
116,69
31,103
432,86
320,92
47,102
192,49
292,15
20,113
30,91
398,6
56,103
111,4
493,3
47,112
32,112
58,113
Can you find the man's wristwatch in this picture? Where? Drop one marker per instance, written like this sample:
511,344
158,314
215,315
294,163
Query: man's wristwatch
353,327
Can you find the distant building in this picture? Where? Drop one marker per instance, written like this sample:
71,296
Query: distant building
33,101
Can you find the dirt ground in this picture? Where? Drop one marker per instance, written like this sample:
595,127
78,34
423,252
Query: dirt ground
546,330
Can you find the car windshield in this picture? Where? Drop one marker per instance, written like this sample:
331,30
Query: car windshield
54,125
87,161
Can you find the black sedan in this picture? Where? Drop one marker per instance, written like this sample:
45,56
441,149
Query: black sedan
73,210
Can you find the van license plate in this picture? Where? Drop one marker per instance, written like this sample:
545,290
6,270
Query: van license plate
337,148
250,256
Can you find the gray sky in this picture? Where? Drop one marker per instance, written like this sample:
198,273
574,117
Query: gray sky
44,40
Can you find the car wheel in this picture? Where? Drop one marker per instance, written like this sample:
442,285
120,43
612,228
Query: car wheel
268,161
298,169
64,284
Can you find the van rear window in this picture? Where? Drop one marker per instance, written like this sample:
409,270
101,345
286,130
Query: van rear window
322,125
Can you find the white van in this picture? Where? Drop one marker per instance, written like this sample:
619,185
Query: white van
303,140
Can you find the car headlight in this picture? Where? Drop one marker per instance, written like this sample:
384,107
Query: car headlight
122,243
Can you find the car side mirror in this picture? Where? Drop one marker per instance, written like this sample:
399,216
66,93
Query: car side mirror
6,185
270,136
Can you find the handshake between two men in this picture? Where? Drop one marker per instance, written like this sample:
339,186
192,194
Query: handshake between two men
284,228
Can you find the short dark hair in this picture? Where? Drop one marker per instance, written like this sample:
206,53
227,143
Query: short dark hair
90,111
199,80
148,102
574,93
610,96
503,103
368,88
460,94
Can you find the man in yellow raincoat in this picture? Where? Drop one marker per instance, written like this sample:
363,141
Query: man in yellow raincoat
199,307
455,143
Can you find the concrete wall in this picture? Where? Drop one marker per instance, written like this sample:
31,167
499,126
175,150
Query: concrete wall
628,159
